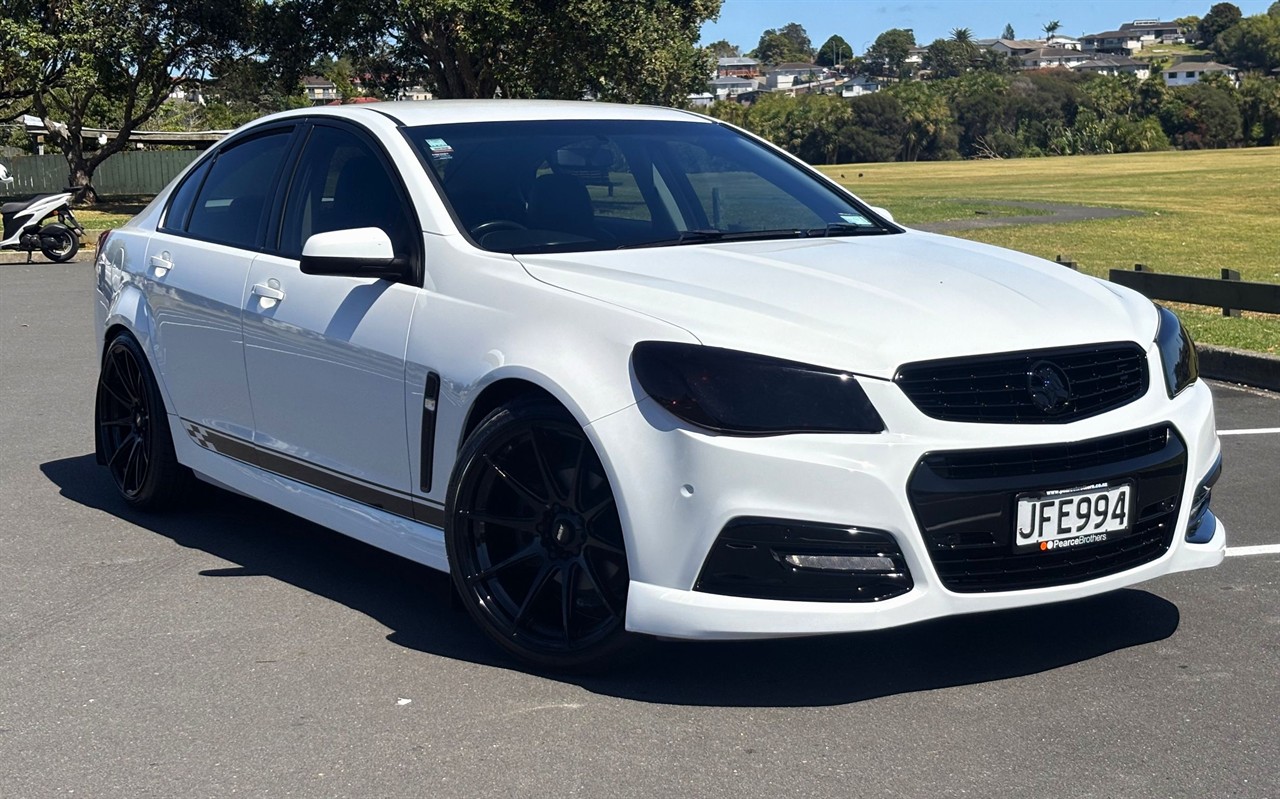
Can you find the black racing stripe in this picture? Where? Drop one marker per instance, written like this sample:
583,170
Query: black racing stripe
429,514
374,496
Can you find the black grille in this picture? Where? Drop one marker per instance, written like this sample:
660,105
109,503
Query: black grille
994,388
965,504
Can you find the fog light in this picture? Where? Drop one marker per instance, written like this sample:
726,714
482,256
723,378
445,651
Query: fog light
843,563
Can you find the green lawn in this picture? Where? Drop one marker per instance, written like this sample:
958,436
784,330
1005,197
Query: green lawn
1201,212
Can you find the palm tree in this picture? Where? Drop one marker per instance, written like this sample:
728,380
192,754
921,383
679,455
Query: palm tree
962,35
1052,28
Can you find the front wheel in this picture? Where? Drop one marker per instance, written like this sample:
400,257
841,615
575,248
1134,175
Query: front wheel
58,243
534,539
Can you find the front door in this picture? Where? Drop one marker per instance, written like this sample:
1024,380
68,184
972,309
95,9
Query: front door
325,355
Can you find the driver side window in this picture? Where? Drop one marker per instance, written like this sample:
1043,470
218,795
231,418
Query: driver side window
339,183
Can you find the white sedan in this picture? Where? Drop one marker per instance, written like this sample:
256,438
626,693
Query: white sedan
631,370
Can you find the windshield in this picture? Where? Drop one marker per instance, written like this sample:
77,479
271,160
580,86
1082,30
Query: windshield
576,185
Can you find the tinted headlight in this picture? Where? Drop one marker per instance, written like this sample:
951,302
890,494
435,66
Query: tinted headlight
1177,353
744,394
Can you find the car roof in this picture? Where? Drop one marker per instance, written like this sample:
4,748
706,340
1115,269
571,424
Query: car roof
442,112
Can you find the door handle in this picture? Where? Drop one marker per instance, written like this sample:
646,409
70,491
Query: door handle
267,292
161,264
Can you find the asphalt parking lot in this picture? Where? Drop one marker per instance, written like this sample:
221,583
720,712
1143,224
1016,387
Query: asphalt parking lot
233,649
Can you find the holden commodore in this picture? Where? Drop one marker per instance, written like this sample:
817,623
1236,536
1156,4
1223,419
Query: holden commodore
627,370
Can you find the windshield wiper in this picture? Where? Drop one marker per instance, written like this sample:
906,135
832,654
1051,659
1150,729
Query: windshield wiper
845,229
711,234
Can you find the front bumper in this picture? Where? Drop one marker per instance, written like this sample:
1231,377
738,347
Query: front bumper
678,488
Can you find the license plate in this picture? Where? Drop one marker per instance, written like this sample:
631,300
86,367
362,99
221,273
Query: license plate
1073,517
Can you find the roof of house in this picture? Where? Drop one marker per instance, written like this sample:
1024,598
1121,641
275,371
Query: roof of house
1203,66
1021,44
795,65
1055,52
737,61
1147,24
1112,62
316,80
1110,35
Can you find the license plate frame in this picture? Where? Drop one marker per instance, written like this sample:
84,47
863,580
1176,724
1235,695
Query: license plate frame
1064,527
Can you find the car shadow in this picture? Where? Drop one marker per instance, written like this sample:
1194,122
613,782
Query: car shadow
415,603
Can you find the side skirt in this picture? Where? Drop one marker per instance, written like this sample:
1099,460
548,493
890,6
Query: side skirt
385,520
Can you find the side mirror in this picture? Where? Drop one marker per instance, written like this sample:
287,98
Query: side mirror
883,213
358,252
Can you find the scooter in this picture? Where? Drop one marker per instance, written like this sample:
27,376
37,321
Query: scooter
25,228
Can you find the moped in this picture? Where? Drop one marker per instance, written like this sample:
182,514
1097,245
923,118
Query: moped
25,228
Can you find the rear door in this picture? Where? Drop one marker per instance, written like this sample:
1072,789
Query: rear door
325,355
196,267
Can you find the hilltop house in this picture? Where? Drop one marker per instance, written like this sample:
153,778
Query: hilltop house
1187,73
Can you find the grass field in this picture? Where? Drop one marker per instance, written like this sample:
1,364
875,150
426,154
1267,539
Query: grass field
1201,212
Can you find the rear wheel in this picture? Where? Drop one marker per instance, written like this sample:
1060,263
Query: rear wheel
133,430
58,243
534,540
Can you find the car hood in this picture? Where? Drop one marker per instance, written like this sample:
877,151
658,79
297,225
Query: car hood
864,304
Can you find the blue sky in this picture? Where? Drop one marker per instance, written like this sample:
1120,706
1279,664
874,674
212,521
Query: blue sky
861,21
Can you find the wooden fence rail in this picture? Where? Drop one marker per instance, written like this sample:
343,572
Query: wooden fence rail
1229,293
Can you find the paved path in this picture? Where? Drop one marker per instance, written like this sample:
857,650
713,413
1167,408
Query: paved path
1057,213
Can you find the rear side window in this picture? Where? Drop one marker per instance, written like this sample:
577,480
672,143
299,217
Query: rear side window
230,203
184,197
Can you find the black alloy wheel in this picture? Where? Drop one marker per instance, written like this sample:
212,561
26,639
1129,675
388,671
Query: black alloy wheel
133,430
534,539
58,243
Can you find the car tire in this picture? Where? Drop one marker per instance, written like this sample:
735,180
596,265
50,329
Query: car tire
534,540
58,243
133,431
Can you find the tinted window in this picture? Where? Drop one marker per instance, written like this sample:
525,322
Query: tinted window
602,184
180,206
229,206
339,184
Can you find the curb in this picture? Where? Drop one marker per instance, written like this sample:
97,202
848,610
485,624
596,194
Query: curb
1240,366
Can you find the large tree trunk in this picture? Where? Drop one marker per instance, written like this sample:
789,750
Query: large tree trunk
80,181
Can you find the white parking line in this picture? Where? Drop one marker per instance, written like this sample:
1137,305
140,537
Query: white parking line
1261,549
1257,431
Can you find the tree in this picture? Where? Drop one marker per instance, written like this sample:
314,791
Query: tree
1201,116
1219,18
930,128
962,35
887,57
788,43
640,51
1253,43
722,49
1187,25
1260,110
1051,28
875,130
834,50
1008,31
112,63
947,58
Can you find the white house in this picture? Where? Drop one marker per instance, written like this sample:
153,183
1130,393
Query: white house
1116,65
1116,42
858,86
727,87
1187,73
1053,57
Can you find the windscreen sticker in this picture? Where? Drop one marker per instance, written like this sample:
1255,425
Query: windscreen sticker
855,219
440,149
